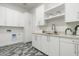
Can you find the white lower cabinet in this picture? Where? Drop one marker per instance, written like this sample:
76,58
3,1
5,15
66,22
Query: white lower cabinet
34,40
67,47
39,41
53,46
78,49
48,45
44,44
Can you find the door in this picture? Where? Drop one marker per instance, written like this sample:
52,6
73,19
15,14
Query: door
67,48
53,46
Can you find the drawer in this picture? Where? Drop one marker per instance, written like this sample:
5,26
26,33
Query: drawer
76,41
68,40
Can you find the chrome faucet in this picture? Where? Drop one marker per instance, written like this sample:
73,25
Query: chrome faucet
54,28
75,32
69,30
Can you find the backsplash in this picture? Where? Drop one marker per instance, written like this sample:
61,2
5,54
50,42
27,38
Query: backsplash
60,25
11,35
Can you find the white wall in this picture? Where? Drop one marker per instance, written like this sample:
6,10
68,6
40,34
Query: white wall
61,25
6,37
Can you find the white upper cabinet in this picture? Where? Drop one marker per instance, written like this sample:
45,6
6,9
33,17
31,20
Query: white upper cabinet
2,16
40,15
69,11
14,18
20,19
72,12
11,19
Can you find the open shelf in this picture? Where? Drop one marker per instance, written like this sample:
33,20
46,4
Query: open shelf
54,8
59,15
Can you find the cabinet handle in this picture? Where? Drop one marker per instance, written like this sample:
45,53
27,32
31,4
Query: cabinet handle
36,38
75,49
48,39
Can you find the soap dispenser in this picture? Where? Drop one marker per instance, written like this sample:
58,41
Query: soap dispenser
14,36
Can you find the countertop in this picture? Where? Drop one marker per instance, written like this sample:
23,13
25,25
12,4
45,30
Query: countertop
59,35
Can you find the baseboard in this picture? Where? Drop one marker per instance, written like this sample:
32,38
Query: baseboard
40,51
14,44
11,44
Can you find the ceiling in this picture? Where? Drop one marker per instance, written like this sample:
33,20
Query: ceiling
27,6
21,6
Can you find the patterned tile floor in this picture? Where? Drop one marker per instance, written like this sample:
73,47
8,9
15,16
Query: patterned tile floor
20,49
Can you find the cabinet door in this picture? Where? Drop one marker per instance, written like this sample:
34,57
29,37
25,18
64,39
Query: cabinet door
20,19
34,40
53,46
38,46
12,19
40,15
44,44
72,12
77,49
67,48
2,16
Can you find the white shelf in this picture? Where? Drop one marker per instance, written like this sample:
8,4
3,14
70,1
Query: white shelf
54,8
59,15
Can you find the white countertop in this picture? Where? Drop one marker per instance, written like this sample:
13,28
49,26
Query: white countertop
59,35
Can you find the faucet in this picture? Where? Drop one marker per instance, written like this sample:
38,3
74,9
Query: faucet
68,29
76,29
54,28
